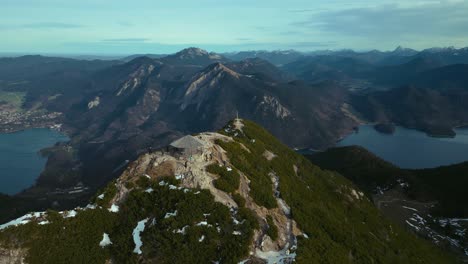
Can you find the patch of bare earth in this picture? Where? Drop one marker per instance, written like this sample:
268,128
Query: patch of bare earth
12,256
269,155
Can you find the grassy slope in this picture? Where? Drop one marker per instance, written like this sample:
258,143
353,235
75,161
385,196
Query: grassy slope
15,99
341,229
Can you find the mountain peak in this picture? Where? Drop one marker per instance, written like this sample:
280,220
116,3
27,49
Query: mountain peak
400,48
142,60
195,56
192,52
218,67
206,81
212,198
404,51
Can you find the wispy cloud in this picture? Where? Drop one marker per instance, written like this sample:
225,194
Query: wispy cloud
426,20
313,44
125,24
302,10
131,40
244,39
290,33
50,25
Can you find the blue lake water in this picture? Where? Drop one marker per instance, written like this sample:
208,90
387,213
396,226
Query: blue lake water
412,149
20,161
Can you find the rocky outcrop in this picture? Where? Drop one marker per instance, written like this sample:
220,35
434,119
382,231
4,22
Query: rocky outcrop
191,170
11,256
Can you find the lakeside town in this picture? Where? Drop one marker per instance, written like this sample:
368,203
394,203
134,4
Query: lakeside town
12,121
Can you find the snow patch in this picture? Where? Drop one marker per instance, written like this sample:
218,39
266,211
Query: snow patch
22,220
70,214
168,215
45,222
272,257
94,103
181,230
162,183
114,208
136,236
409,208
202,223
105,241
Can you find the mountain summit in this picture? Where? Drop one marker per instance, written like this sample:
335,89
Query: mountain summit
234,196
191,53
195,56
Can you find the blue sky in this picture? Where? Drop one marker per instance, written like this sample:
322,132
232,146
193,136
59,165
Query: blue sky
155,26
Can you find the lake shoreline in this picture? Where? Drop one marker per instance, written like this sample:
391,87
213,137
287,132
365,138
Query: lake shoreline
25,147
409,148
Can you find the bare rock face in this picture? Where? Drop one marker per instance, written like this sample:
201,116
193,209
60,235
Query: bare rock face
11,256
272,104
202,84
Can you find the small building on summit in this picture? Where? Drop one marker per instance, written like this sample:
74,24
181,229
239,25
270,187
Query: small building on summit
188,145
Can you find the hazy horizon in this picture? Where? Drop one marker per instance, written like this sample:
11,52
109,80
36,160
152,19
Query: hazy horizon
122,55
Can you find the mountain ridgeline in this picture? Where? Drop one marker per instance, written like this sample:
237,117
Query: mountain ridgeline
148,102
241,195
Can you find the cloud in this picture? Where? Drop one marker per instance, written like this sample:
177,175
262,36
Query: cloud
125,24
290,33
308,45
49,25
426,20
244,39
127,40
302,10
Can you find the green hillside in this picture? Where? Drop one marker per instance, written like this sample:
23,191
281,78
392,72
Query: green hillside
341,227
184,225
